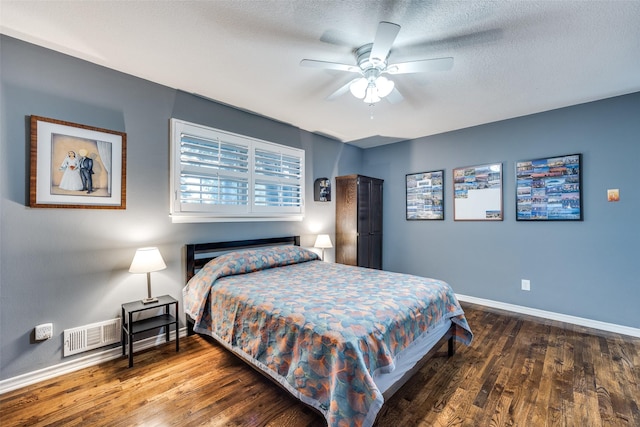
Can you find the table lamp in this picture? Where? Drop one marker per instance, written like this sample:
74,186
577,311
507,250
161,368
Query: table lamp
323,241
147,260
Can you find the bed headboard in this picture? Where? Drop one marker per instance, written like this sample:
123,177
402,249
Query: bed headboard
198,254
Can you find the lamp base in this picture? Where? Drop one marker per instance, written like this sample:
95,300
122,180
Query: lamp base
149,300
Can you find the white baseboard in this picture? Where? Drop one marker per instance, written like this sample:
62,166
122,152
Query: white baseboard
581,321
81,362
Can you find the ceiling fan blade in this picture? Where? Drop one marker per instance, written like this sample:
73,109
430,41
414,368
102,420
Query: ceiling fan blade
385,36
395,96
312,63
341,91
435,64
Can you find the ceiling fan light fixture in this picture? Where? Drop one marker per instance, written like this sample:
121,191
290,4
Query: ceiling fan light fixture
372,95
359,88
385,86
371,60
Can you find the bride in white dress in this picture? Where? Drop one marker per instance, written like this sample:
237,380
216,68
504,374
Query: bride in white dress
71,178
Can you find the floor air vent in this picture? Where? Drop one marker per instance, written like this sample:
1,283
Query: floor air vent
88,337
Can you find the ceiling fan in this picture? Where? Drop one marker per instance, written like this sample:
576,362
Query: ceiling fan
372,85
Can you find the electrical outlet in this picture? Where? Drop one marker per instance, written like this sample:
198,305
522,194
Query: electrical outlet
44,331
526,285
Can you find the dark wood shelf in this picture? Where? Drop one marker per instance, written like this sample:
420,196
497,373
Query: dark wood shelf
132,327
151,323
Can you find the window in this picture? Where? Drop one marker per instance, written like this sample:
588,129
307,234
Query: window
221,176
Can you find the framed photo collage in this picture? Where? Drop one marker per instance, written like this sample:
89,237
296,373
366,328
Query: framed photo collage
547,189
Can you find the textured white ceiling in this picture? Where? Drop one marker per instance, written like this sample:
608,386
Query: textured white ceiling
511,58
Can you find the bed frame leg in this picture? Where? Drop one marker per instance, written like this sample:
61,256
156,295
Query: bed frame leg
451,346
190,324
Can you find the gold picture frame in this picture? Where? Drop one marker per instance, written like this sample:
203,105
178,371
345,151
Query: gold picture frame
76,166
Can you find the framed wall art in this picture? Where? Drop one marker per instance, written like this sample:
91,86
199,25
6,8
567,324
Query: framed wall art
76,166
322,190
425,199
549,189
478,193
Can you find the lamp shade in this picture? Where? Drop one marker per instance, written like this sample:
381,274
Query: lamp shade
371,89
323,241
146,260
359,87
372,94
385,86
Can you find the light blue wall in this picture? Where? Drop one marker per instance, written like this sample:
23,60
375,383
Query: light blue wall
588,269
69,266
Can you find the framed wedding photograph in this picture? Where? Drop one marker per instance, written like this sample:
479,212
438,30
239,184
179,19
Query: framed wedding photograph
76,166
425,199
478,193
549,189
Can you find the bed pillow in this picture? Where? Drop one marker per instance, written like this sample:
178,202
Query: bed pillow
239,262
250,260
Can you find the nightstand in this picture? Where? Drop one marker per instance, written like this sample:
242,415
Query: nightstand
130,327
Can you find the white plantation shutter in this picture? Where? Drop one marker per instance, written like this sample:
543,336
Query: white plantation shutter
278,179
213,172
220,176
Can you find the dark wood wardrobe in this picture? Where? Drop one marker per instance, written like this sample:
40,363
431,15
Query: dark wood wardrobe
359,221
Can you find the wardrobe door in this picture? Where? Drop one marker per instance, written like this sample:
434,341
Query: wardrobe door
346,220
370,222
359,221
364,221
375,224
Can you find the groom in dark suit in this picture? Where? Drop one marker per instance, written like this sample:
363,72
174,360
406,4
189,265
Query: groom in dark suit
86,170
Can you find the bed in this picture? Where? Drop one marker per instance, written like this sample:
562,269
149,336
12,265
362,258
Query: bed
341,339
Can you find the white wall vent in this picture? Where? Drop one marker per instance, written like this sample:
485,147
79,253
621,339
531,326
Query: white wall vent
88,337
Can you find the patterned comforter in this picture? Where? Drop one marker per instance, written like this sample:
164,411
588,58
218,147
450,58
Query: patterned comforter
321,330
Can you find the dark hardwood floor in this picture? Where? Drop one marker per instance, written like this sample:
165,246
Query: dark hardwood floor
519,371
